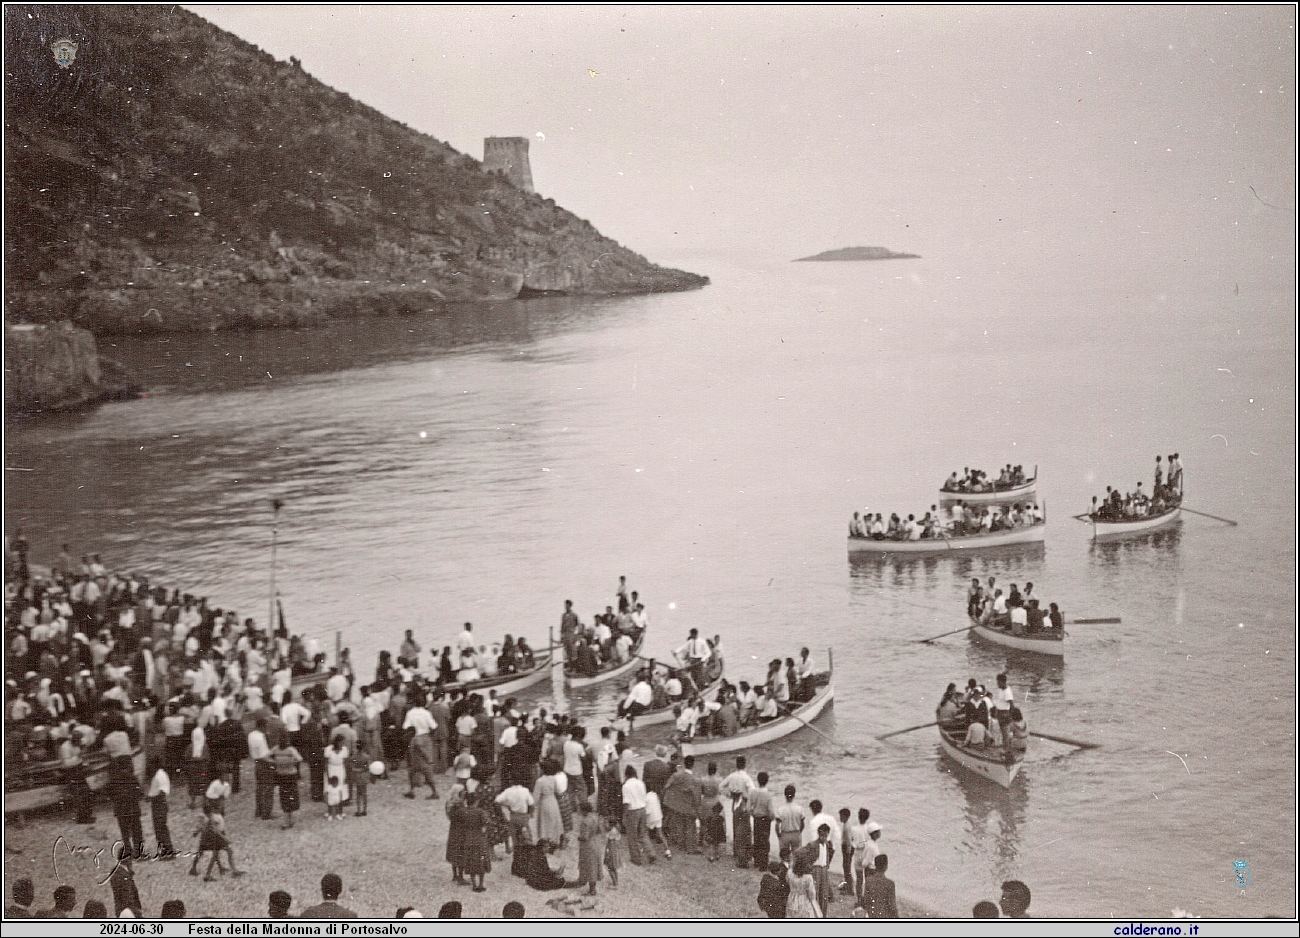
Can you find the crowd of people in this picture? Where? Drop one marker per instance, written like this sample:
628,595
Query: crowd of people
467,663
1166,494
980,719
609,640
1015,611
977,480
956,520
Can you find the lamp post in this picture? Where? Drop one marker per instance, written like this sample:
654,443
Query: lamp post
276,505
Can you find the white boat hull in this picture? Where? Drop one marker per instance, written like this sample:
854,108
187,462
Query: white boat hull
1052,647
988,498
987,765
1028,535
767,732
504,684
1117,530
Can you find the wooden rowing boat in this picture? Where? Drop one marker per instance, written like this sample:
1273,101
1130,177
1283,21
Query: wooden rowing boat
665,714
1131,527
40,786
798,718
1039,643
611,670
1030,534
1008,494
992,763
504,684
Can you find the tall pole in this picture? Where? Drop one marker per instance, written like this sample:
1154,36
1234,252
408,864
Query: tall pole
276,504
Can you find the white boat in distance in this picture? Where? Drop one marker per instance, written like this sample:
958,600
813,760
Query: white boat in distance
991,763
1039,643
1009,493
766,732
1029,534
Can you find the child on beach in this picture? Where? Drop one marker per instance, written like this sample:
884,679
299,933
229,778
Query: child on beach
613,854
359,778
212,836
715,833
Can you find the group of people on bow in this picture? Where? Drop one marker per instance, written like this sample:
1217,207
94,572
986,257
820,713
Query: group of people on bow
1015,611
611,637
1165,495
980,719
467,662
960,520
977,480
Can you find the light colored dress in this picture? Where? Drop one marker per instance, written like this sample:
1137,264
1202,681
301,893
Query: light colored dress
803,897
336,767
547,822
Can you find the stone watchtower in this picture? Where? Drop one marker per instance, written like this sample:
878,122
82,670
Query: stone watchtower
510,156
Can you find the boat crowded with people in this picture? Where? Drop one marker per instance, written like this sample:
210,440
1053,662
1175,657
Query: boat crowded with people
983,732
667,688
589,669
1136,513
816,690
1014,619
975,487
953,528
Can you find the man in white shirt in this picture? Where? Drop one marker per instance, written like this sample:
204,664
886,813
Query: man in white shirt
1019,619
638,700
634,802
640,618
673,687
518,802
623,647
696,653
336,688
419,725
820,817
686,717
737,786
466,638
259,750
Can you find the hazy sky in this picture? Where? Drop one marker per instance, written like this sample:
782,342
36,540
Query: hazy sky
1041,137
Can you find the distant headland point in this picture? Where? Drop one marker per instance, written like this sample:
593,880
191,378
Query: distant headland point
857,254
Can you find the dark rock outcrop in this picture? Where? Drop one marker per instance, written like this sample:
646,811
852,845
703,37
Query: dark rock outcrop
176,177
57,367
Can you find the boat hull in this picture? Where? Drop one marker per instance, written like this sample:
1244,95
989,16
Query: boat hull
504,684
48,796
1118,530
1051,647
1033,534
981,764
988,498
768,732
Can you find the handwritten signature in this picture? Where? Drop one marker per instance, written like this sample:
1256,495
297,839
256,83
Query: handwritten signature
96,855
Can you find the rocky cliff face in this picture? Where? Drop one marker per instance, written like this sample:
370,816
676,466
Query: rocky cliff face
56,368
176,177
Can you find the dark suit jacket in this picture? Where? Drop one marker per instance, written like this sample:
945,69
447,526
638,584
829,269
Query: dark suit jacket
683,794
329,909
878,897
655,774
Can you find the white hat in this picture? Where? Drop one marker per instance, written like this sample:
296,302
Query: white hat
872,827
413,913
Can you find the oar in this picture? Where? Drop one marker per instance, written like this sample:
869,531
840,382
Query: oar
1215,517
908,730
926,641
847,752
1068,742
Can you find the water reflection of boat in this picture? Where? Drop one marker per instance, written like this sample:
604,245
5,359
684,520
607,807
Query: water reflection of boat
1114,551
988,804
1038,674
1015,560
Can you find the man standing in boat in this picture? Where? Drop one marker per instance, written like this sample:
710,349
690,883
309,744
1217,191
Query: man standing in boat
696,654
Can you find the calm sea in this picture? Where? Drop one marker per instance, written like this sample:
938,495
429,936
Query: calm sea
489,463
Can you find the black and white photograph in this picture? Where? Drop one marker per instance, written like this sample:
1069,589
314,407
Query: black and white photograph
650,462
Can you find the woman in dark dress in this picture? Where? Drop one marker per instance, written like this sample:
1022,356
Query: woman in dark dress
446,668
476,852
457,817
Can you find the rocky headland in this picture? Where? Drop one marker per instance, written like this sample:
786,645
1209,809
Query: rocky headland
175,177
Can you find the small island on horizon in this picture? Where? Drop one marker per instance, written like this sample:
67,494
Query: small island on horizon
857,254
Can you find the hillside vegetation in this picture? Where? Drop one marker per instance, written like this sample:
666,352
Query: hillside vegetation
176,177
